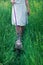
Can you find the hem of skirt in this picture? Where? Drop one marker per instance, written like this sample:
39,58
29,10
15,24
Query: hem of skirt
19,25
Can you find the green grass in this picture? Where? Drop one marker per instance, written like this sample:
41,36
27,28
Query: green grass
32,39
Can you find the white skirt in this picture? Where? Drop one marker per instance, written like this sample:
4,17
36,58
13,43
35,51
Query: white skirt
19,15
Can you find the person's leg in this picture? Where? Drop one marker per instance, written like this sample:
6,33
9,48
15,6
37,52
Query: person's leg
19,31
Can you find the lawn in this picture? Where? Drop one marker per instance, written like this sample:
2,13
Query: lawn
32,37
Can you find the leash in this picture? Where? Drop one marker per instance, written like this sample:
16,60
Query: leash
15,17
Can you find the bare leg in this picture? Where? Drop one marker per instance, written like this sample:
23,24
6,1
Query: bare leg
19,31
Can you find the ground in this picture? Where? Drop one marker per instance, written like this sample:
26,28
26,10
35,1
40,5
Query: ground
32,37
